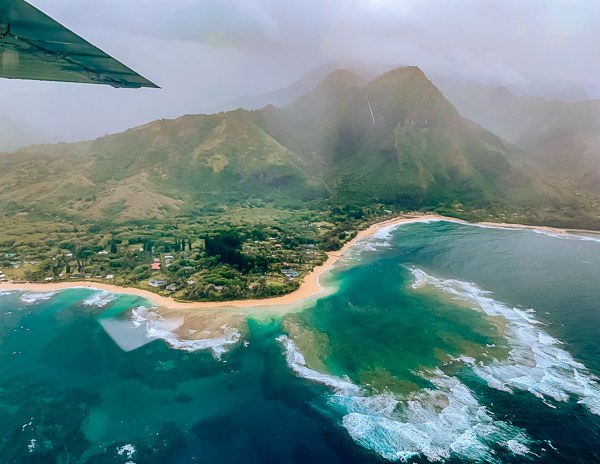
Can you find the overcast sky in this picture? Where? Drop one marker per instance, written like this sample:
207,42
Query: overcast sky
202,52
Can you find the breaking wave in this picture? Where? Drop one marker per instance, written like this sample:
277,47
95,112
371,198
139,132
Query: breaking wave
158,327
434,423
99,299
31,298
297,363
536,362
385,233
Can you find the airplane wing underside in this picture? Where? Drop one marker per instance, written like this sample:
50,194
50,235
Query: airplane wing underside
34,46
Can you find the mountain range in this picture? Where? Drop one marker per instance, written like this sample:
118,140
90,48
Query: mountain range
393,140
560,139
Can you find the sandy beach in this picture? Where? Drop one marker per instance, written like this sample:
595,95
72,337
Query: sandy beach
310,286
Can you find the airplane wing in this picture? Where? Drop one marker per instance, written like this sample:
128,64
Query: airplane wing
34,46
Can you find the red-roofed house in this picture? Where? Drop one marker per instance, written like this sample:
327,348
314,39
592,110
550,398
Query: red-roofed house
155,266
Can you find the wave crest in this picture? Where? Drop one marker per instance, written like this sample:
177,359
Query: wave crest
433,423
99,299
536,362
31,298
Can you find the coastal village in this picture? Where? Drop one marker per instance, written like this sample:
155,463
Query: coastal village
174,261
169,273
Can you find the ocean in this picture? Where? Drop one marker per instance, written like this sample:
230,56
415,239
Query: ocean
439,342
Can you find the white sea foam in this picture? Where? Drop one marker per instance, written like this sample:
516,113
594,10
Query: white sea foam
298,364
385,233
548,233
536,362
32,445
587,238
433,423
517,448
128,450
158,327
99,299
31,298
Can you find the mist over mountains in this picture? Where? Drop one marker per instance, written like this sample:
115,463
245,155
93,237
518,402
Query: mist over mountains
393,140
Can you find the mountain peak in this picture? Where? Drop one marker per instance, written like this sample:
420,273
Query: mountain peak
403,75
340,81
406,92
330,92
404,71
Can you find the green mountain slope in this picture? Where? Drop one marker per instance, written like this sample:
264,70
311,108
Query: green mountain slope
561,139
394,140
398,140
156,169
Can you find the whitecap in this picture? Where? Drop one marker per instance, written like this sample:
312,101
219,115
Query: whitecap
536,362
517,448
434,423
128,450
32,445
99,299
31,298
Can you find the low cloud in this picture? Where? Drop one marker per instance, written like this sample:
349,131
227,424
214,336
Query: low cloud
205,52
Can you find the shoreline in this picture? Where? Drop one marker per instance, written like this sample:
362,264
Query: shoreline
309,287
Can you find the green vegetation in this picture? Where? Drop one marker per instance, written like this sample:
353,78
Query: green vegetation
231,254
244,204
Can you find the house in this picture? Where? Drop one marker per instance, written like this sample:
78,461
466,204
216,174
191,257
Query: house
171,287
290,273
156,260
158,283
103,252
170,257
155,266
110,276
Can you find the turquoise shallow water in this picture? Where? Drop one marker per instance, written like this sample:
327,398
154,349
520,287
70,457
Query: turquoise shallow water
444,342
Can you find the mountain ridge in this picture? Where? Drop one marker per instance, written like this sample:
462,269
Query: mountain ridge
393,140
